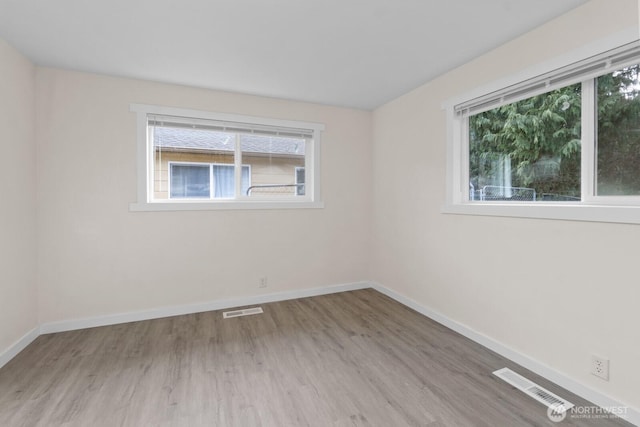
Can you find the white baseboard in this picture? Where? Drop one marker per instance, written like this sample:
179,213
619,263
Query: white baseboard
18,346
112,319
586,392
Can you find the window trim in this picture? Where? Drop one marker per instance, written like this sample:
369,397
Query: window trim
598,209
145,185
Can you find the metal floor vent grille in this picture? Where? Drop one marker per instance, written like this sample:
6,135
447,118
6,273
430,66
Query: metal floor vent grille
244,312
532,389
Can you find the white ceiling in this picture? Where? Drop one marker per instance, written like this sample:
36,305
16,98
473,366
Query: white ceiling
355,53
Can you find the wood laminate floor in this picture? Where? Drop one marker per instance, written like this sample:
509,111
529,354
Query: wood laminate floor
349,359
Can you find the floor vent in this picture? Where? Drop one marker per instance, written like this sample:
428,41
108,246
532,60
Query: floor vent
532,389
245,312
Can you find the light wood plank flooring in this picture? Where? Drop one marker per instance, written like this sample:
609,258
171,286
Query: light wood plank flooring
349,359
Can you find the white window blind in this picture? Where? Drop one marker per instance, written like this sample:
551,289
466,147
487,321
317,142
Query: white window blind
228,126
589,68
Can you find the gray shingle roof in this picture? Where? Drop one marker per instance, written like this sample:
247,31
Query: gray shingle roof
199,139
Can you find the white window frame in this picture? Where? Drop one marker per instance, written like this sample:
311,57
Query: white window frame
145,202
591,207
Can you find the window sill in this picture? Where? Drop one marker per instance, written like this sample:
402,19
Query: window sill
221,205
567,212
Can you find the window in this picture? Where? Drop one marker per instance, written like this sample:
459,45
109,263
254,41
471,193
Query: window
556,142
197,180
300,174
198,160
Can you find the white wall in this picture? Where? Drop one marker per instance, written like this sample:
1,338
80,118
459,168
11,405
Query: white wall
97,258
555,291
18,299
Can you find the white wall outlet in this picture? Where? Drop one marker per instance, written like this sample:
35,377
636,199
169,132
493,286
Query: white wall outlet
600,367
263,282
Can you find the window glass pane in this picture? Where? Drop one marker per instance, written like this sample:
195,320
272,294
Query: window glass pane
618,136
528,150
224,180
273,161
246,178
190,181
180,144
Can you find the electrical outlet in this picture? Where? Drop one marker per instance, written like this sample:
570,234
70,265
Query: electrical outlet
600,367
263,282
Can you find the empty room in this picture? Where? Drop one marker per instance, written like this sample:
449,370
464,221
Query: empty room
320,213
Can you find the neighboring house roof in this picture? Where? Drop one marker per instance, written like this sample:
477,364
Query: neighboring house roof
200,139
